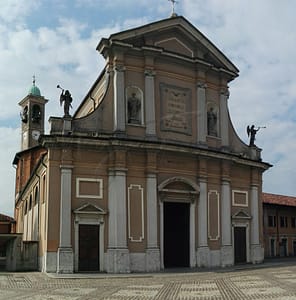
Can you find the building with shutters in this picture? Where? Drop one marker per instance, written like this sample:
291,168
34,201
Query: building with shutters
148,173
279,225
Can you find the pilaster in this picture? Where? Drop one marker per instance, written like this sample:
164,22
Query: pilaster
226,249
257,252
203,252
192,235
117,253
119,98
150,103
224,95
65,262
151,211
201,116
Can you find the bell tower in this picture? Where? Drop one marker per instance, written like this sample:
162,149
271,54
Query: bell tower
32,117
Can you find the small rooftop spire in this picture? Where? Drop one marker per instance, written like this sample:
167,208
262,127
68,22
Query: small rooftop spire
173,8
34,90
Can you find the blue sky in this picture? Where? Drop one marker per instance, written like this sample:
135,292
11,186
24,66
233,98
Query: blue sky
56,41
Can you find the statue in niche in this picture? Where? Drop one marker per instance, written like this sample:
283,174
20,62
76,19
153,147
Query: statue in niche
212,122
134,109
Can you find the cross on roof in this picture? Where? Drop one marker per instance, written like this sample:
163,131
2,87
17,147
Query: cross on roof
173,7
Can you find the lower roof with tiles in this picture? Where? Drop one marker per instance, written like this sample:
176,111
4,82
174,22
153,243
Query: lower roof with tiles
278,199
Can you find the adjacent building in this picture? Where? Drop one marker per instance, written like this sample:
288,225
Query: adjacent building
279,225
148,173
7,230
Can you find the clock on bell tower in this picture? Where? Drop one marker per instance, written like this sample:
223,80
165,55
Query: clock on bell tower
32,116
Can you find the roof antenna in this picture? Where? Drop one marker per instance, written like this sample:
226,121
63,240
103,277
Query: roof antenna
173,8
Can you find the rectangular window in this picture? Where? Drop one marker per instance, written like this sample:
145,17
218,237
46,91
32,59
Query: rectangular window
293,222
284,221
271,221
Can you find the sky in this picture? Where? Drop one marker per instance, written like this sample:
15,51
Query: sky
55,40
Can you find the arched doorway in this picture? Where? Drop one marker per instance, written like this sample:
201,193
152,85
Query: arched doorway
177,222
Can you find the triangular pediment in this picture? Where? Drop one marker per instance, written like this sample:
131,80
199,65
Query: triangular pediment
89,208
174,35
241,214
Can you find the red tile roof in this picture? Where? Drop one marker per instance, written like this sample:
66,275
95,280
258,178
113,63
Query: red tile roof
278,199
5,218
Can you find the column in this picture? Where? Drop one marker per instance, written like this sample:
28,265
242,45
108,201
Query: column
118,255
224,94
257,252
227,258
119,99
201,113
150,103
152,251
203,254
65,262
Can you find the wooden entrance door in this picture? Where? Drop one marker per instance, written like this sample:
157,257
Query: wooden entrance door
176,234
89,248
240,245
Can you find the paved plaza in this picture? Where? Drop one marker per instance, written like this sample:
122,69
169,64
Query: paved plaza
268,281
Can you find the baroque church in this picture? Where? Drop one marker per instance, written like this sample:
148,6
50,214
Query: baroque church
148,173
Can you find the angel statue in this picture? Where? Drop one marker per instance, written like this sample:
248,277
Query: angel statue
67,99
251,131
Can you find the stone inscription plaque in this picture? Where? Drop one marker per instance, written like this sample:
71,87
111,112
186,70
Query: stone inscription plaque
175,109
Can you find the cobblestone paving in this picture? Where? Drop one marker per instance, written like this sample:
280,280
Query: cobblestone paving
273,282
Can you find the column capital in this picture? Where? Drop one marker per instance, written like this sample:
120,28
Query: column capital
119,68
117,171
66,167
202,179
225,180
225,92
149,72
202,85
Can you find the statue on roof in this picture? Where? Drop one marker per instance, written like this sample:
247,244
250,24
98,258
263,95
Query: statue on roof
251,131
65,98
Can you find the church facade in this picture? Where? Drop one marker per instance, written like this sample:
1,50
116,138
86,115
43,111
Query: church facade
149,172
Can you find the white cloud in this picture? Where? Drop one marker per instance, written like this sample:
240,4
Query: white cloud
257,36
9,138
16,10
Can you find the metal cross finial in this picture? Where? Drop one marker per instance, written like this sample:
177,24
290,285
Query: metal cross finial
34,79
173,7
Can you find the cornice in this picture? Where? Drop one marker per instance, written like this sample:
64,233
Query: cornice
107,142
